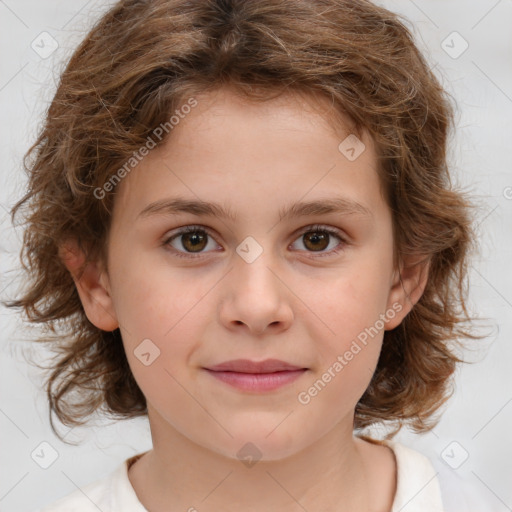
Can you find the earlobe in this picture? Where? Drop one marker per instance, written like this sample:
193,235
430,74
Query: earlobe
92,284
407,288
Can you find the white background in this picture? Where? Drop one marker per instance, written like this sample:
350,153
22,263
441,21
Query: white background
478,417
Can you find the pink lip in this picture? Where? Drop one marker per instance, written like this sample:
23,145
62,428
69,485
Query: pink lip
250,375
257,381
248,366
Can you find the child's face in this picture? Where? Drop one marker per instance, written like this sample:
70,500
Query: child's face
297,301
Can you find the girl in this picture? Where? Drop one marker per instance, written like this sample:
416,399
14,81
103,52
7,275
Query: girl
240,224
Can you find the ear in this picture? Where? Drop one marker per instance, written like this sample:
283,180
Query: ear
92,284
407,287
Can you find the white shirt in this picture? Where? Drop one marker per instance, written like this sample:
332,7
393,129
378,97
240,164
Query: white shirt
420,488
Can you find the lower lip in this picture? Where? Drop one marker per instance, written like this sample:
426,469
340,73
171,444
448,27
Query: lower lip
257,381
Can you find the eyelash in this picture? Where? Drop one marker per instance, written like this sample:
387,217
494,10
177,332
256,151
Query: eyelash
314,228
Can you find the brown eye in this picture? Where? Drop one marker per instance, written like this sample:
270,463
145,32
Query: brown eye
194,242
316,240
190,240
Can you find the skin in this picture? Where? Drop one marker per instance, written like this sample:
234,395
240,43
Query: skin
291,303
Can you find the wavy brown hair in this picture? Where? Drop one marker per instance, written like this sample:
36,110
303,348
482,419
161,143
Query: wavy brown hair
137,65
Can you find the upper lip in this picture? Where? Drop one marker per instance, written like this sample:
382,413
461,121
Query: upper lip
248,366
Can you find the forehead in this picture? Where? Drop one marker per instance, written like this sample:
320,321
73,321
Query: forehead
237,151
225,108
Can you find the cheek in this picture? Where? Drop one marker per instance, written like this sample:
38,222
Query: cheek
159,335
347,352
152,300
351,306
351,301
161,315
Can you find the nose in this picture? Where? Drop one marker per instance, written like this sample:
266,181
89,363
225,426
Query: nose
255,298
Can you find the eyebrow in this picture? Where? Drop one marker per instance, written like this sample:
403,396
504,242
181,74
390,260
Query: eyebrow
176,205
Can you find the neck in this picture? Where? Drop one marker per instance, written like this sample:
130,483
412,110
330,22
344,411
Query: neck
177,474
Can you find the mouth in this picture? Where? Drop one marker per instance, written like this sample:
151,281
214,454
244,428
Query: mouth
249,366
248,375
